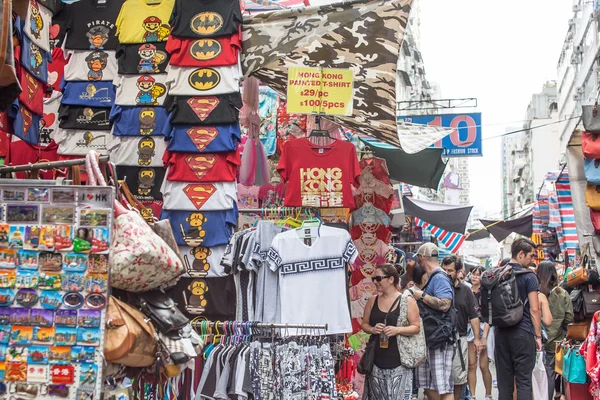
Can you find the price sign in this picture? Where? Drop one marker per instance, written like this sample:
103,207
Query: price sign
319,90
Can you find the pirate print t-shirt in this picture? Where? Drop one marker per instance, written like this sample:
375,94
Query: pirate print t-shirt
202,139
201,228
94,65
49,121
26,124
204,81
145,58
37,25
142,90
140,22
90,24
205,52
206,19
138,121
144,182
79,142
76,117
90,94
210,167
144,151
209,196
204,110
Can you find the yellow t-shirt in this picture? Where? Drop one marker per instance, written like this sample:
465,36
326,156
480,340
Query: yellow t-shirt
139,22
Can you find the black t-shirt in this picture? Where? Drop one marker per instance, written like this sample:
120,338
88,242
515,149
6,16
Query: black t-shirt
466,308
527,283
204,110
144,182
77,117
146,58
213,298
90,24
206,18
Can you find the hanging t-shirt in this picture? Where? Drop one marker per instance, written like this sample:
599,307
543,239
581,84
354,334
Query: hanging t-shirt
34,59
247,196
267,110
52,5
206,19
26,125
213,298
140,22
320,267
56,69
202,139
319,176
138,121
369,214
79,142
90,24
205,52
201,228
144,182
22,153
205,110
145,58
370,232
33,91
143,90
210,196
203,262
210,167
204,81
49,121
76,117
37,25
90,94
271,195
144,151
95,65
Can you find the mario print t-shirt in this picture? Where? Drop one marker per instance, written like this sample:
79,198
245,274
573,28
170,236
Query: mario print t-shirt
206,19
140,22
142,90
206,52
138,121
145,58
205,110
92,66
203,81
144,151
37,25
76,117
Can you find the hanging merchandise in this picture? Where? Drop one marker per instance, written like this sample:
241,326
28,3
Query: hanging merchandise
590,145
209,110
213,298
202,139
147,58
144,151
206,52
203,262
143,90
254,169
25,123
216,167
77,117
207,228
208,19
93,66
205,81
267,110
49,123
29,55
186,196
144,182
139,22
138,121
79,142
96,94
22,153
32,95
37,26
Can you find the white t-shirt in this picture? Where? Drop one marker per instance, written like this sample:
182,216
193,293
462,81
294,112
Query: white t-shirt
79,142
207,261
138,151
312,279
37,25
207,81
49,121
208,196
91,65
141,90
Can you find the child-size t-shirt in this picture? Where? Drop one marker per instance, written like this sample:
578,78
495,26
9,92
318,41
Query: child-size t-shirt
89,94
34,59
37,25
138,121
205,52
209,167
320,266
79,142
23,153
208,196
206,19
142,90
202,139
49,121
145,58
33,91
144,151
201,228
139,22
56,69
203,262
53,6
77,117
205,110
26,125
203,81
91,65
144,182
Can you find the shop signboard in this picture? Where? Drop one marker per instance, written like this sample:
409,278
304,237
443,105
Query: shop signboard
464,141
325,91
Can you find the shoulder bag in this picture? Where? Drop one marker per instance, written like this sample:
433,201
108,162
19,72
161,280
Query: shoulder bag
590,145
591,169
163,312
577,277
559,355
591,118
592,196
578,330
413,350
574,366
591,303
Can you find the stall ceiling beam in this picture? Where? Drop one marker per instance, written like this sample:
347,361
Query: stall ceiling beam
438,105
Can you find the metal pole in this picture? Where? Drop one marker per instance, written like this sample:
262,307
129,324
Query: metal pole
47,165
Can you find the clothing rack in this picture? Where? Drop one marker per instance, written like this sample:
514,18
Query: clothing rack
283,210
266,325
47,165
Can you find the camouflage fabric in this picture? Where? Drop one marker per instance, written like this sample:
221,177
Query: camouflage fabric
364,36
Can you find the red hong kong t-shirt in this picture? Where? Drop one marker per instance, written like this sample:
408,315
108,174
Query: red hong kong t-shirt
22,153
207,52
319,176
208,167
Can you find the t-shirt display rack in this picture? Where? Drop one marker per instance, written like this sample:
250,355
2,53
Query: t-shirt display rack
261,325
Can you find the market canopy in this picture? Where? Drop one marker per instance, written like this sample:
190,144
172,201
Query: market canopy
477,234
445,216
500,230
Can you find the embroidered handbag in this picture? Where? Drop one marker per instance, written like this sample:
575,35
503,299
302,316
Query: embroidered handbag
591,118
574,366
558,358
590,145
413,350
592,196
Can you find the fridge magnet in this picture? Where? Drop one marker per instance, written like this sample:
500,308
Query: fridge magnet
38,373
83,240
83,354
4,318
89,318
8,278
88,336
32,237
50,282
27,297
27,259
65,336
62,374
47,235
26,279
63,241
4,229
87,375
3,349
65,318
22,214
93,217
5,331
8,258
73,282
17,354
24,389
43,336
100,240
95,301
96,283
7,297
38,355
85,394
21,335
3,374
50,300
38,195
58,391
63,196
15,236
98,264
15,372
59,215
60,354
13,195
75,262
41,317
19,316
50,262
73,300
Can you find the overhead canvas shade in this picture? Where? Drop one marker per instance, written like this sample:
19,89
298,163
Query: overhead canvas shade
500,230
445,216
477,234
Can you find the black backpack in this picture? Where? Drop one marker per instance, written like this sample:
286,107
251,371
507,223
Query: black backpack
501,305
439,326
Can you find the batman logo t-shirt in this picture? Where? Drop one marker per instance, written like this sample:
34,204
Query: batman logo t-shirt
91,65
205,110
205,52
203,81
77,117
202,139
144,182
138,121
138,151
145,58
206,19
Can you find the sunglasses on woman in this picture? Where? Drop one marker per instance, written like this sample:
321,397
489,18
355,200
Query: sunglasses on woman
379,278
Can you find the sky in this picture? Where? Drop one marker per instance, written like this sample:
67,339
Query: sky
501,53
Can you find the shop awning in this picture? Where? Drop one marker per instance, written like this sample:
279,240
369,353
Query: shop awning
477,234
445,216
500,230
405,77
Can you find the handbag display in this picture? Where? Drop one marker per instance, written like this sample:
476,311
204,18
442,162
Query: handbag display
576,297
574,366
590,145
591,303
592,196
591,169
163,312
129,337
591,118
578,330
577,277
559,355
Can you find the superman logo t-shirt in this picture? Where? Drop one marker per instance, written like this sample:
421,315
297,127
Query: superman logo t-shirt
202,139
211,167
205,110
32,95
206,19
26,124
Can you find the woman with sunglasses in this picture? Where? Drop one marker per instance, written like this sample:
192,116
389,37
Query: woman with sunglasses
389,379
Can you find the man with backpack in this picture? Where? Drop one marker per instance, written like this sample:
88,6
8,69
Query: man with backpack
509,302
435,306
